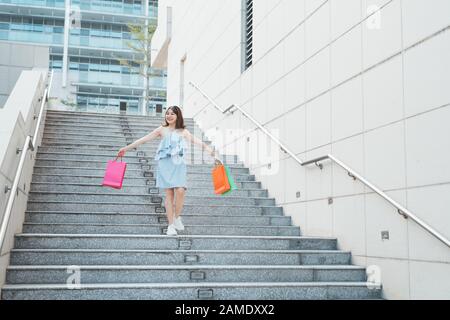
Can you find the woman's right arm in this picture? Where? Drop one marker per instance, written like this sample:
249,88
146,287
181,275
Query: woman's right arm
152,135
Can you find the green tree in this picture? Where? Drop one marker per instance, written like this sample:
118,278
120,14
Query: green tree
141,35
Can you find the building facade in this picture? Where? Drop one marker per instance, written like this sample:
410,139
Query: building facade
87,39
363,80
15,58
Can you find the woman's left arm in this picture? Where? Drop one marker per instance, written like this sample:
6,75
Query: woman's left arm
197,141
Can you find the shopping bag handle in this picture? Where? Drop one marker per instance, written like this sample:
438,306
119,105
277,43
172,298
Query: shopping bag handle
217,162
118,158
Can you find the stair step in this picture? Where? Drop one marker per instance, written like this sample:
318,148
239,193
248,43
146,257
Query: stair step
114,143
109,117
158,228
101,115
152,166
52,118
190,291
196,274
112,121
130,157
177,257
117,241
145,151
134,132
130,173
120,133
102,217
117,207
109,154
132,181
98,189
121,197
80,154
148,127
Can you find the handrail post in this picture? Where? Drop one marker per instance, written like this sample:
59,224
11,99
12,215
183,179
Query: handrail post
29,144
13,191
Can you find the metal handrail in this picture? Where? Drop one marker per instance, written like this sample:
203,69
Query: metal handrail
29,144
352,173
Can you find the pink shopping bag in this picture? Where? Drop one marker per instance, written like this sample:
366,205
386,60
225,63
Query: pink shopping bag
114,174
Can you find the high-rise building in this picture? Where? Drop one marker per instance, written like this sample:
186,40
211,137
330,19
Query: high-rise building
87,39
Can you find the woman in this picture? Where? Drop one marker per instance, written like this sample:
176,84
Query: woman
171,171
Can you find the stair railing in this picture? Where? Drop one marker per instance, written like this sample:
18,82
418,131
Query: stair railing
29,144
317,161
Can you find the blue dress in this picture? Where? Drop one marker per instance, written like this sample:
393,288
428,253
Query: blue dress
171,170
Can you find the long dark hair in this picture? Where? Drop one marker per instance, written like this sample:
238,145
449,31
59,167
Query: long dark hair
179,124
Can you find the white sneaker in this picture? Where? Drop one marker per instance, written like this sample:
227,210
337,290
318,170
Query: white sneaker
178,224
171,231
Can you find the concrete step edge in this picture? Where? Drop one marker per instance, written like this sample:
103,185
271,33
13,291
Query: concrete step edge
140,170
53,114
190,267
191,251
151,214
101,114
190,285
143,194
139,163
136,178
93,125
153,225
155,236
126,186
154,204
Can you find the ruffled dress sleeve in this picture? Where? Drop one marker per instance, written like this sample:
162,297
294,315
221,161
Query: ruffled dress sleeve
172,145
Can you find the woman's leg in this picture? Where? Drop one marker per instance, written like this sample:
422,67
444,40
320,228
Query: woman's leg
169,205
179,201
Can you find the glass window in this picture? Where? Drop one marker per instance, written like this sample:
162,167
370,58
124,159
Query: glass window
114,68
84,67
96,33
94,67
73,66
38,21
56,65
96,26
116,28
104,67
49,22
125,70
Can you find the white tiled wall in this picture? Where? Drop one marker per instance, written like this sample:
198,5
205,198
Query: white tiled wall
374,91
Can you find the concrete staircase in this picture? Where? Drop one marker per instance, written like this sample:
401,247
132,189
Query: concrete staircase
236,246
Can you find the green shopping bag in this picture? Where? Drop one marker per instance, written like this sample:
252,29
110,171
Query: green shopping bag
230,180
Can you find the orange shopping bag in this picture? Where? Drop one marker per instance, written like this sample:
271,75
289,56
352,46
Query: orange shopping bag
220,179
